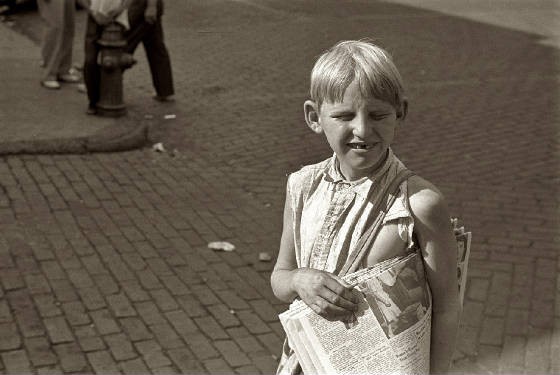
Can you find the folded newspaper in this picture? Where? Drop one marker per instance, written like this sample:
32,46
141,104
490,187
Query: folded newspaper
390,332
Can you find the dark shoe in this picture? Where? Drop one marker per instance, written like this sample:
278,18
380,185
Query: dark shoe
91,111
164,99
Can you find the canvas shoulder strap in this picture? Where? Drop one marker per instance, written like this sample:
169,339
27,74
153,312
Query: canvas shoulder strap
366,240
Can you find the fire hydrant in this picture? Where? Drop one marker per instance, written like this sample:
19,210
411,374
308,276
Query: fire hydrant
113,61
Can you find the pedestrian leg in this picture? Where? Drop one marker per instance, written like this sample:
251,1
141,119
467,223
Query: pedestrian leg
92,73
52,11
68,20
159,61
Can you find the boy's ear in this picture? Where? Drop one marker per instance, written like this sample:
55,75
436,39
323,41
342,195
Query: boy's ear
404,110
311,112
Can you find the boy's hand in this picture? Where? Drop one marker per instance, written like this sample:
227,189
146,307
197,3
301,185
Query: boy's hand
326,294
150,15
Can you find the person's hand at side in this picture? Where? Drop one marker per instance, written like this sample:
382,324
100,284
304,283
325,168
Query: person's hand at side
150,14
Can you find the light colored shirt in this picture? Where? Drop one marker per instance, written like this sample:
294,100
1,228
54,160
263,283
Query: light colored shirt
329,213
106,6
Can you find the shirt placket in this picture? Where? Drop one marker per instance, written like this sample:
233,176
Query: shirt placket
341,200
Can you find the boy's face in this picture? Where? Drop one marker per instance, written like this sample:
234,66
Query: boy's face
359,130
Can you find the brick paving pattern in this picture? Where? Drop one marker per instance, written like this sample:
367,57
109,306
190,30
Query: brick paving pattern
104,265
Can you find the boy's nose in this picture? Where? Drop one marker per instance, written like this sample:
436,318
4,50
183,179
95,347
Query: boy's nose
361,126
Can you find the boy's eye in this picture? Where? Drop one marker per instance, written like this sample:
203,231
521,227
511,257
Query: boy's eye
378,116
343,116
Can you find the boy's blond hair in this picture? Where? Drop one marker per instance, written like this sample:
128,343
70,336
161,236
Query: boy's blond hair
362,60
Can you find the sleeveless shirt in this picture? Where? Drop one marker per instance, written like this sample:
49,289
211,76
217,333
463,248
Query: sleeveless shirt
329,212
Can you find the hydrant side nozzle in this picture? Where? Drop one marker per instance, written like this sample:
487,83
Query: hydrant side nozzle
127,61
109,62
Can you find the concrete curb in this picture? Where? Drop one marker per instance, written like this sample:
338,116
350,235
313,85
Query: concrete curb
119,137
38,121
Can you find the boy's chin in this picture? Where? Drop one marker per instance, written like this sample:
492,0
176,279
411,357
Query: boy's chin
356,171
367,166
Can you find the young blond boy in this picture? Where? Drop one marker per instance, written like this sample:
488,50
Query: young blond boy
357,102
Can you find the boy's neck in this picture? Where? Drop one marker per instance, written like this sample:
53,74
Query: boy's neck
376,170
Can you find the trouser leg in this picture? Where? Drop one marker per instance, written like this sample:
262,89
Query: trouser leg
134,36
159,61
51,43
57,43
41,5
151,35
92,73
68,23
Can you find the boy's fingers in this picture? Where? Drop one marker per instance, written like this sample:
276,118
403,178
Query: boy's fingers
343,300
323,312
350,291
329,311
342,281
345,290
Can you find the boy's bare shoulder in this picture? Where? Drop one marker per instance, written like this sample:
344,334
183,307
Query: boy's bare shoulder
426,201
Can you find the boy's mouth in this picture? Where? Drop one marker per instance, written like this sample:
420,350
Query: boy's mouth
360,145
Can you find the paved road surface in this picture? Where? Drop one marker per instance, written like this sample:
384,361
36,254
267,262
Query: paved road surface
104,261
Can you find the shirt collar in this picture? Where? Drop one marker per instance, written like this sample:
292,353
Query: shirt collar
361,186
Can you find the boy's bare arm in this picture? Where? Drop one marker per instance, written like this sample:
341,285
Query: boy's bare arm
436,239
281,278
322,291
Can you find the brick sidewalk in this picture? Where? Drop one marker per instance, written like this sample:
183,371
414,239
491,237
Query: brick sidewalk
104,260
105,269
